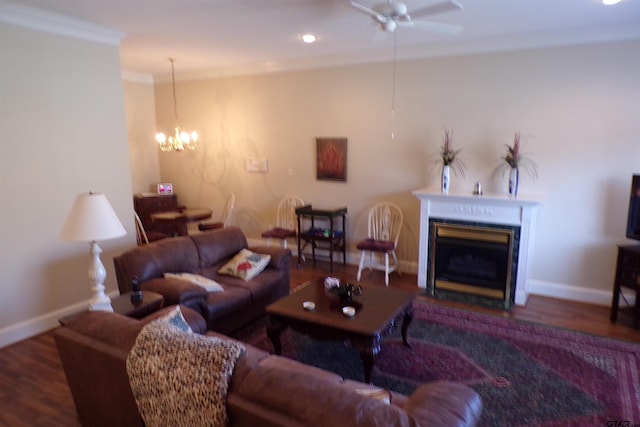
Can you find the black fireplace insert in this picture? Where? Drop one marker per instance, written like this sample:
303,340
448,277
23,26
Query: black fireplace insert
475,262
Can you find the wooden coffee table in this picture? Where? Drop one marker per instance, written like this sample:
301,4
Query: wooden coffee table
378,311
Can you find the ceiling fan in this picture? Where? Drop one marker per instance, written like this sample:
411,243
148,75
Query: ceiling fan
393,14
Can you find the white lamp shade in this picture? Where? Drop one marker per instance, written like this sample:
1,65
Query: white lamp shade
91,219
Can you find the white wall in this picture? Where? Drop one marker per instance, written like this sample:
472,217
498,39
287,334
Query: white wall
141,127
63,127
576,107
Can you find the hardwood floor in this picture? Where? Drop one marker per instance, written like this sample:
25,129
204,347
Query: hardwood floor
34,392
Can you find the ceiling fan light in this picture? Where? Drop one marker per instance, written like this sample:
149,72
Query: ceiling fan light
389,26
309,38
610,2
399,9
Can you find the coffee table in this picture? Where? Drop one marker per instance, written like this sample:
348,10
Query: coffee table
378,311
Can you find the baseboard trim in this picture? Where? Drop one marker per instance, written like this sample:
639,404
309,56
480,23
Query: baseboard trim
37,325
572,293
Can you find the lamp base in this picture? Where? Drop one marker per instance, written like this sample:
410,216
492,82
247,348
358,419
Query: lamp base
100,301
101,306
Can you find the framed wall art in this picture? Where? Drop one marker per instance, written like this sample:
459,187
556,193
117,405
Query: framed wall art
331,159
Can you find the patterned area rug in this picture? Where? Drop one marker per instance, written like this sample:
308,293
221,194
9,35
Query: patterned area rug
527,374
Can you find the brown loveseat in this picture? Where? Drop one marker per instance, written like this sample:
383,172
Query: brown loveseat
265,390
203,254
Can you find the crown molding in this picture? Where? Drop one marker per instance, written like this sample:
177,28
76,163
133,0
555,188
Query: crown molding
54,23
133,77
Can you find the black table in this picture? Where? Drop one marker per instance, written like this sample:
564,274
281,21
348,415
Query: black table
331,239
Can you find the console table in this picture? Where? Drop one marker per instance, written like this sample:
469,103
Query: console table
627,276
331,239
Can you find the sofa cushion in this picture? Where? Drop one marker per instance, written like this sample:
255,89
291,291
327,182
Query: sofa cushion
245,265
259,287
317,402
451,404
196,279
191,375
153,260
220,304
218,245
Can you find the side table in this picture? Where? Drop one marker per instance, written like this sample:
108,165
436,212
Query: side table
122,304
627,276
332,239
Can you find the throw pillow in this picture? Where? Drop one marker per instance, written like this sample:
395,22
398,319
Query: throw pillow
245,265
175,318
196,279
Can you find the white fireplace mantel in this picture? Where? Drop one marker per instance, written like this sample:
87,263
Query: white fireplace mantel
488,208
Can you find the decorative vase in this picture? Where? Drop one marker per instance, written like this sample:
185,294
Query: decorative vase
446,170
514,180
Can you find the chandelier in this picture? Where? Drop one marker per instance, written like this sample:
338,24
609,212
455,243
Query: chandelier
180,140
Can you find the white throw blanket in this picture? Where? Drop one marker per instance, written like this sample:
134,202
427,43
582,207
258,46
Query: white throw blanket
181,379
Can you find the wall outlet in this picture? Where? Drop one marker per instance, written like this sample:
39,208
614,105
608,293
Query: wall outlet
257,165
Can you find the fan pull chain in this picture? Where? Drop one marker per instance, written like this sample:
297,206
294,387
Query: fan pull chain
393,88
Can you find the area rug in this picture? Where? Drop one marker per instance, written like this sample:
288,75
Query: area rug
527,374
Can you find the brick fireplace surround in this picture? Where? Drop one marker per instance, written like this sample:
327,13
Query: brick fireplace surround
490,209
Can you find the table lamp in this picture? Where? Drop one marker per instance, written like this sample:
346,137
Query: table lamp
91,219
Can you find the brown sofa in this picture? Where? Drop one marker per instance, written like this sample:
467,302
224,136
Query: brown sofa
203,254
265,390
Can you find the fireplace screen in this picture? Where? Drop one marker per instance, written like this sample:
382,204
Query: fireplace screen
473,259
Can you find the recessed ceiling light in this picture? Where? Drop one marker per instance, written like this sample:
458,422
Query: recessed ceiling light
610,2
308,38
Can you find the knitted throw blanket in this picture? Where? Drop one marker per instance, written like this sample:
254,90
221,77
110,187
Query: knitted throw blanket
180,378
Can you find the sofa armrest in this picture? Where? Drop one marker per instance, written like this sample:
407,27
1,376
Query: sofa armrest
177,292
98,380
446,404
280,257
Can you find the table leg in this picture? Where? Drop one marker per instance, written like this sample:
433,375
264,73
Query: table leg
331,243
615,300
273,332
298,239
369,354
406,320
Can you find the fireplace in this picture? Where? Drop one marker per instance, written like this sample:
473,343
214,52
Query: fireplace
476,248
473,262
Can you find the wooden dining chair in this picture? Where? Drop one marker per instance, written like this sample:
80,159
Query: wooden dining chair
286,220
225,219
384,225
142,236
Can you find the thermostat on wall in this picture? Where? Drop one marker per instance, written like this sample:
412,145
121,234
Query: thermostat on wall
165,188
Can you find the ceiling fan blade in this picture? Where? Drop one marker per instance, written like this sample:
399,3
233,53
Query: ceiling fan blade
436,8
362,8
436,27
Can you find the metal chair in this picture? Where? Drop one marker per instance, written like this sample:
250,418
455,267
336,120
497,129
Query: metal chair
385,223
225,220
286,220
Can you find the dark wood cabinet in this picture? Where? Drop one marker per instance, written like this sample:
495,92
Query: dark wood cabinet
147,204
627,277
